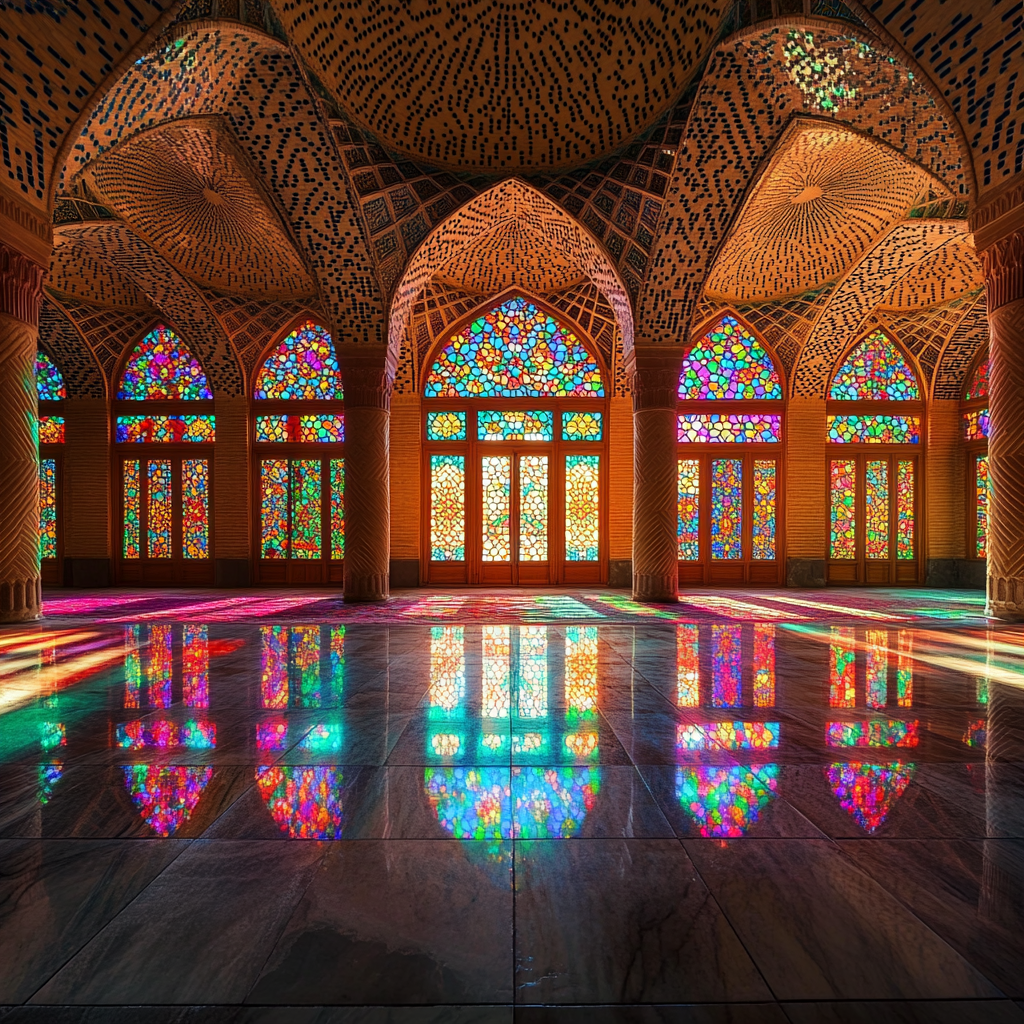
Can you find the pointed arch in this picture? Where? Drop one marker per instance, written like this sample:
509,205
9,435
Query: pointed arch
49,380
161,366
728,360
514,348
876,369
301,365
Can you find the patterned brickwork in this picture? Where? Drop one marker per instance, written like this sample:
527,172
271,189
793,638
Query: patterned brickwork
971,334
944,504
86,495
63,344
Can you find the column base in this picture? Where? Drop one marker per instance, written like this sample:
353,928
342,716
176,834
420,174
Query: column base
656,589
1006,598
366,588
21,600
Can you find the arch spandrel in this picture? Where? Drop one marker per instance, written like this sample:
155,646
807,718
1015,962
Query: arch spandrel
59,338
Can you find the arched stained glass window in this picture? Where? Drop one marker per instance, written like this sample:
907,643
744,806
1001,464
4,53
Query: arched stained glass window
161,367
49,381
875,371
514,351
977,386
303,366
975,425
729,362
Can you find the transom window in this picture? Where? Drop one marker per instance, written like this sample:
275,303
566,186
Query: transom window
165,461
729,459
515,432
51,392
299,434
875,412
974,425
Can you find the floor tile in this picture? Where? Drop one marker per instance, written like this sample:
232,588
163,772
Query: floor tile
905,1012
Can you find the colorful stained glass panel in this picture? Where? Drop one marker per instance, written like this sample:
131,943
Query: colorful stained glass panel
874,429
47,508
727,429
515,426
842,477
981,495
496,487
581,507
975,425
446,426
977,387
447,508
51,429
875,370
729,362
303,366
166,429
582,426
160,508
726,666
533,508
905,509
842,691
514,351
876,509
726,801
688,519
161,366
726,509
764,664
49,381
687,665
313,428
274,508
195,508
337,508
306,513
763,531
132,501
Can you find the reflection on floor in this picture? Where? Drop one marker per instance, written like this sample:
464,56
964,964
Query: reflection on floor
750,814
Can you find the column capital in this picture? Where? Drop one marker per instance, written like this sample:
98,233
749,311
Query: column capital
1003,262
654,376
21,285
366,374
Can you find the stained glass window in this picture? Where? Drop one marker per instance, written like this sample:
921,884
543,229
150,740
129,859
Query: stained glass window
581,426
874,429
337,508
533,508
875,370
689,510
904,509
303,366
303,429
274,508
447,508
496,486
195,507
975,425
166,429
726,801
981,495
306,515
514,351
161,366
49,381
764,510
581,507
977,386
158,473
132,500
515,426
729,362
446,426
842,475
876,508
51,429
726,509
731,429
47,508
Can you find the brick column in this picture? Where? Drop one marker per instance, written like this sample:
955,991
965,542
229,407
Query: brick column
367,378
21,293
1004,286
654,380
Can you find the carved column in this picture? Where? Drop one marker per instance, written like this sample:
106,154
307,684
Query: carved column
654,379
368,380
1004,286
21,284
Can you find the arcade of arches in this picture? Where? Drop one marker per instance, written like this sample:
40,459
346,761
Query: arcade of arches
750,316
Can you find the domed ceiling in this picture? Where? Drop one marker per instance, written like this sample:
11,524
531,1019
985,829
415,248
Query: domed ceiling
487,85
825,198
186,191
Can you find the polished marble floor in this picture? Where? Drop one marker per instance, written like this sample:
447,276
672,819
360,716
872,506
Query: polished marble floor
796,815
